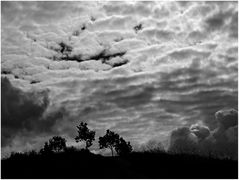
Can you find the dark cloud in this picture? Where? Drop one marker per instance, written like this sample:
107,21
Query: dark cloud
182,141
197,36
188,53
234,26
164,35
217,20
141,97
227,118
24,112
221,142
120,91
196,90
38,12
200,131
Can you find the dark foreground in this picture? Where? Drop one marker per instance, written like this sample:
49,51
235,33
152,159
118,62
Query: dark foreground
135,165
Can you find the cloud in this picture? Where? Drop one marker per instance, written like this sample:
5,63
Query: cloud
151,145
183,141
218,19
227,118
196,36
188,53
234,26
24,113
41,12
127,45
156,34
136,8
232,134
177,70
200,139
112,23
111,36
200,131
161,12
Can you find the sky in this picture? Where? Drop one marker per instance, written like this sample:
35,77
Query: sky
145,70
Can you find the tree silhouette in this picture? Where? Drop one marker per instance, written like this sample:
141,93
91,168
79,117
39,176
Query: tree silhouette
55,144
123,147
85,134
46,149
109,140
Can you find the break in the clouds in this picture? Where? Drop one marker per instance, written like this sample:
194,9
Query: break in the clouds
141,69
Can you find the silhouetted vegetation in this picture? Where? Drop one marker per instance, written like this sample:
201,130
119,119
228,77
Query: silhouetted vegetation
55,144
56,160
122,147
109,140
113,141
75,163
85,134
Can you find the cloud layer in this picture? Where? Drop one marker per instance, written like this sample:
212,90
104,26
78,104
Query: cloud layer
138,68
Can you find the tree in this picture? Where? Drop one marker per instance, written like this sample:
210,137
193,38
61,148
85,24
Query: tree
109,140
85,134
46,149
123,147
55,144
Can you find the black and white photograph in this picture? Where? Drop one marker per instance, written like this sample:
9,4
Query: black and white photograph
119,89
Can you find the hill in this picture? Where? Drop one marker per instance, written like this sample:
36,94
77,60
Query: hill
83,164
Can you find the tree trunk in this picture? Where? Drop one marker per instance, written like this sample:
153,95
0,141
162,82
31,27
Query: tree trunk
86,145
112,151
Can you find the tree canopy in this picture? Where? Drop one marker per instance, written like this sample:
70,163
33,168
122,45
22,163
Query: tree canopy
109,140
55,144
85,134
113,141
123,147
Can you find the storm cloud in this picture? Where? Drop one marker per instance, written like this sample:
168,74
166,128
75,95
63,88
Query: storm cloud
221,142
25,114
